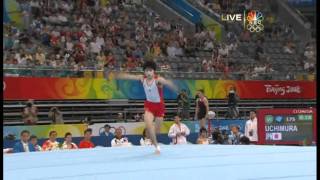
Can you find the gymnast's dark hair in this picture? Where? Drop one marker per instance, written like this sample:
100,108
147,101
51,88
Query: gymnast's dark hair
149,64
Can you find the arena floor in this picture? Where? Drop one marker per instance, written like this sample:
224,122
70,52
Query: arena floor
176,162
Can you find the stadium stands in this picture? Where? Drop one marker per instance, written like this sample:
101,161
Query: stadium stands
134,41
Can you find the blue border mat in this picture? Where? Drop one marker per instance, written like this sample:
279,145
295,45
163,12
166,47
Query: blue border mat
251,162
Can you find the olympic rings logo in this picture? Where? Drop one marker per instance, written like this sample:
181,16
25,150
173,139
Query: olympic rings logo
255,27
254,20
113,130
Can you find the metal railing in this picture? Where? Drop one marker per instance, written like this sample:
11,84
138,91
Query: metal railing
93,73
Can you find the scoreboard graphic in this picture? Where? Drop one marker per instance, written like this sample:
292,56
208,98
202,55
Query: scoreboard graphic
287,126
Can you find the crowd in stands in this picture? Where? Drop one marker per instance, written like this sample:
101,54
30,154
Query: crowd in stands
274,30
68,34
120,35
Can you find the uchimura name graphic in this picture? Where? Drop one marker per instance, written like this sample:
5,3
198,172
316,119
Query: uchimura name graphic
252,20
284,128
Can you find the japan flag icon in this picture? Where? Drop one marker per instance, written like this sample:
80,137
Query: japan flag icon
277,136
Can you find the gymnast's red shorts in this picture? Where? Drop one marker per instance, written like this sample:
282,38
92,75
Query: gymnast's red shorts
157,109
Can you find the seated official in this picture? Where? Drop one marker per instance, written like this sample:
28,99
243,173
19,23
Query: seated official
51,144
235,136
24,145
107,134
68,144
145,140
203,137
86,142
34,142
119,140
178,131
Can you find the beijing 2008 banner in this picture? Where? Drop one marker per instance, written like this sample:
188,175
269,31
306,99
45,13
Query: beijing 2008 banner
42,131
22,88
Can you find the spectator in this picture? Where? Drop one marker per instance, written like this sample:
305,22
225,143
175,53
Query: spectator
110,61
119,140
68,144
156,50
101,60
56,115
51,144
251,128
289,48
203,139
234,137
259,51
178,131
223,51
24,145
40,57
86,142
171,50
183,105
244,140
34,142
245,36
208,45
107,134
217,137
309,52
95,47
145,140
205,66
137,117
30,113
87,121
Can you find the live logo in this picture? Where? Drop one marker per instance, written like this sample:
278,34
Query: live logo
231,17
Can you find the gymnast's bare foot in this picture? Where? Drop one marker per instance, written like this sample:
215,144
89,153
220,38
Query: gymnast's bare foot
157,152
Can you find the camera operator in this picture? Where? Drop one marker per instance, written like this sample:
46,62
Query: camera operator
56,115
30,113
183,105
233,99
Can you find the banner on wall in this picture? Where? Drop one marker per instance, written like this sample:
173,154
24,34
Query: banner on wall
42,131
287,126
136,128
227,124
133,128
23,88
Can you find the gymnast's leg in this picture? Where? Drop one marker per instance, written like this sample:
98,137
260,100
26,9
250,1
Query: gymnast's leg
148,119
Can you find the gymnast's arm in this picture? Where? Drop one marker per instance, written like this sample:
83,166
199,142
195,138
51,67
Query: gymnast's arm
129,76
168,83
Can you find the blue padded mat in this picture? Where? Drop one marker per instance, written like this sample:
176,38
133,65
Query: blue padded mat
226,162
